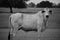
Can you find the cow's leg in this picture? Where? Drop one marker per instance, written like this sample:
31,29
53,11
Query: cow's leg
16,26
43,27
15,29
10,36
39,29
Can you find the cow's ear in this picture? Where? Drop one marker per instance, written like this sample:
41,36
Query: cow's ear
43,11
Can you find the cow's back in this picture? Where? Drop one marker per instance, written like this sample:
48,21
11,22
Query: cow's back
32,20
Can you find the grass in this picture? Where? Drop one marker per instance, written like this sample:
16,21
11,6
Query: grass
48,34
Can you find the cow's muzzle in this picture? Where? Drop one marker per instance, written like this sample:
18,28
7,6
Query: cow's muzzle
47,16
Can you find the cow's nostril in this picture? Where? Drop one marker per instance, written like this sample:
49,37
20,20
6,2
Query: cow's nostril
47,16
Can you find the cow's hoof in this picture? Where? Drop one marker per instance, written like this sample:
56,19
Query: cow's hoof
10,37
14,35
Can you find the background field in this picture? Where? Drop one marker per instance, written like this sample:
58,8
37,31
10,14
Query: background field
51,33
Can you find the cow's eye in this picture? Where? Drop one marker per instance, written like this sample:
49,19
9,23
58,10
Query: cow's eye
43,11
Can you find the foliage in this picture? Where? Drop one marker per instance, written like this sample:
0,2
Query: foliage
22,4
45,4
31,5
13,3
58,6
4,3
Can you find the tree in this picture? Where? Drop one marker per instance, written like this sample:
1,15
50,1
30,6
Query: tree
26,0
10,5
45,4
17,4
4,3
58,6
31,4
13,3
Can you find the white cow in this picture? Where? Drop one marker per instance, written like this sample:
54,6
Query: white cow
37,20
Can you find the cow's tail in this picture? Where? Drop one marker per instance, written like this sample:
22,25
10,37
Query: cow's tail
10,26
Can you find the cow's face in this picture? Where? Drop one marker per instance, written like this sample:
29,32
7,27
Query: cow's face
46,12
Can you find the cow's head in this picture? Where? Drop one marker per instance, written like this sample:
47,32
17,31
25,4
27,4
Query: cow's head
46,12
